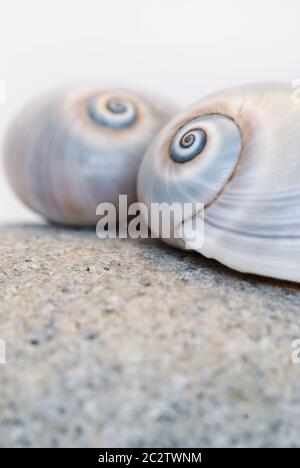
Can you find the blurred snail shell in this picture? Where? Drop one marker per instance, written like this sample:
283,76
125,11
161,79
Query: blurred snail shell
238,153
72,149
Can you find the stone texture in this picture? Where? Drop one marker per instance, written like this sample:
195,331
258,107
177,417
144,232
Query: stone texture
123,343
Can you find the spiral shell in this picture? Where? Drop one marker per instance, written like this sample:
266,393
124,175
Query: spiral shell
72,149
238,153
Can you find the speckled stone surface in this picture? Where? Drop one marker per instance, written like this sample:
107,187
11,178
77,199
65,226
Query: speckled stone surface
123,343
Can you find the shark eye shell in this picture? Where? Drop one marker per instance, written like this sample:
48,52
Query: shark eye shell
71,150
237,153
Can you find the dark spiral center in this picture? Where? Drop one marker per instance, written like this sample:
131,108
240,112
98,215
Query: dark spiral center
187,140
116,107
187,144
112,111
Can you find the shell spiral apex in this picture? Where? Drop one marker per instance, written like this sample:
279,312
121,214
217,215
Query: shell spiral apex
237,152
72,149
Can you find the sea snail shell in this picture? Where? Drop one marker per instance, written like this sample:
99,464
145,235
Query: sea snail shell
73,149
238,152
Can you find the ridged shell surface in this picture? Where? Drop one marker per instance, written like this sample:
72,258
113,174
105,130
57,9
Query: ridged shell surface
237,152
72,149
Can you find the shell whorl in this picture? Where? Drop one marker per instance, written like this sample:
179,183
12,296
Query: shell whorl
112,111
190,162
250,188
199,169
70,150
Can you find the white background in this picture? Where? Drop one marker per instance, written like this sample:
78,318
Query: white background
182,49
